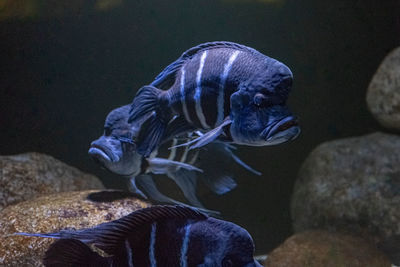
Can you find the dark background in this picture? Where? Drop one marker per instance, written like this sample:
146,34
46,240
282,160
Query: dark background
61,74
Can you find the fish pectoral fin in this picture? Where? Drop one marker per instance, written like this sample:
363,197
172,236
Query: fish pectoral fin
241,162
210,136
163,166
133,188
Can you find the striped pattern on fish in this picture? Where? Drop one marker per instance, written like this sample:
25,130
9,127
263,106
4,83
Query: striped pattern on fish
217,85
156,236
116,152
204,102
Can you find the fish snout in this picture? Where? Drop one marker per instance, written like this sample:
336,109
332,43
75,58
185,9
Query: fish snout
286,128
101,153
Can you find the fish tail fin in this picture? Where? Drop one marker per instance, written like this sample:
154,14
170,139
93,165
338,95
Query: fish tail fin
72,252
148,111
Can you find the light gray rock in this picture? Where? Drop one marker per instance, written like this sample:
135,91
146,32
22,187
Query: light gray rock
29,175
352,185
383,95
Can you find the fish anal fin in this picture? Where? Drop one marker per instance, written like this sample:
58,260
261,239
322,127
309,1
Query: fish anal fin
72,252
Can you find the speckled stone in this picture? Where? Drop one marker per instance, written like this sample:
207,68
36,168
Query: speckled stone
321,248
350,185
383,95
29,175
53,213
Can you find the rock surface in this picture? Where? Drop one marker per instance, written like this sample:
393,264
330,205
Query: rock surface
29,175
383,95
351,185
321,248
52,213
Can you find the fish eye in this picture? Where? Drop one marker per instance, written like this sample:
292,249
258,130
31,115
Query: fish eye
260,100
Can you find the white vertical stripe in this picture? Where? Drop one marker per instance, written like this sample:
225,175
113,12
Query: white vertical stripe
172,154
194,158
183,100
221,95
197,95
152,257
129,253
185,246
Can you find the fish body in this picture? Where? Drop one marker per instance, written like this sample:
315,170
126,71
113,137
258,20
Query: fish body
116,152
156,236
231,91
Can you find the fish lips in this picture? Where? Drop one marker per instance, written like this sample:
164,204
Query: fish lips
102,154
286,128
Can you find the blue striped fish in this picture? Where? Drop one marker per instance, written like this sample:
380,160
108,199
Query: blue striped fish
164,236
230,91
116,152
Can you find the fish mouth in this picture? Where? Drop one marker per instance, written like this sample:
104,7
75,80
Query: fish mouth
280,126
101,154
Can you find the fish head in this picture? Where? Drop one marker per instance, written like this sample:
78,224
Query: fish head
227,244
115,149
259,112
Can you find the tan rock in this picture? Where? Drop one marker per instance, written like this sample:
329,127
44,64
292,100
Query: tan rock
383,96
29,175
321,248
53,213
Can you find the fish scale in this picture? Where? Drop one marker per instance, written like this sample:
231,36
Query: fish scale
217,87
210,85
156,236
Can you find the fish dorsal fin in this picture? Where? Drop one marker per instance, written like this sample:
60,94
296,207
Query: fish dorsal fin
110,236
166,78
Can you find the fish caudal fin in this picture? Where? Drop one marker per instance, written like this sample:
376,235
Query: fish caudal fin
145,102
72,252
146,111
151,135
